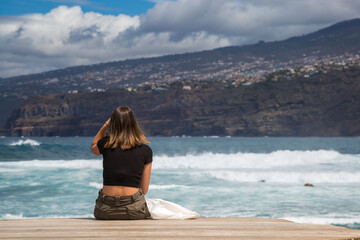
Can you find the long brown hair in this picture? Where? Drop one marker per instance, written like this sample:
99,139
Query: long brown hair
124,130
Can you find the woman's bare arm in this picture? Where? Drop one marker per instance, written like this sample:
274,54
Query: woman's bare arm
145,178
101,133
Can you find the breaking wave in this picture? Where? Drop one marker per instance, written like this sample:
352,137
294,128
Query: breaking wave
25,142
208,160
281,158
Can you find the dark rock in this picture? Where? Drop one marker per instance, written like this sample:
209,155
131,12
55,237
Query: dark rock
308,185
322,105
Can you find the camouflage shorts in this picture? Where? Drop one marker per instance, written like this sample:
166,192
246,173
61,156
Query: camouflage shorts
131,207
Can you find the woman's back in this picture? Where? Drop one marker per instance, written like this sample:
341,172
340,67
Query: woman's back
123,167
126,167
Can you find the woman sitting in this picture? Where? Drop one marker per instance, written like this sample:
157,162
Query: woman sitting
127,163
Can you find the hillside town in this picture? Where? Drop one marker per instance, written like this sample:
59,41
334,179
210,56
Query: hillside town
160,75
259,71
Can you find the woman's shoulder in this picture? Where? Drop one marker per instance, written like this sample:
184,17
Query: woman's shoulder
145,148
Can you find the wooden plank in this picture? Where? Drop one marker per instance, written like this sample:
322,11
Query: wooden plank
201,228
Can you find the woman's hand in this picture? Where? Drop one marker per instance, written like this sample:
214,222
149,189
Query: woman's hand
108,122
99,135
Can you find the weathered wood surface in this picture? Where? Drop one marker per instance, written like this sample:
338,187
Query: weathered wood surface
201,228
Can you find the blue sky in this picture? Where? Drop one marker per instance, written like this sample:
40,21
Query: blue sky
128,7
43,35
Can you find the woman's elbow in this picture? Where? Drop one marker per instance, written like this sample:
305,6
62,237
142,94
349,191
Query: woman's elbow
95,150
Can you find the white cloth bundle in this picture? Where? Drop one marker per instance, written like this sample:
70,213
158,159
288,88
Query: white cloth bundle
161,209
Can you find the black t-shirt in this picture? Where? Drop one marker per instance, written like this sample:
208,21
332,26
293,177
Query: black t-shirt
124,167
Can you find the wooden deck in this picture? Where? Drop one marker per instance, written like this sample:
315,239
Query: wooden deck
201,228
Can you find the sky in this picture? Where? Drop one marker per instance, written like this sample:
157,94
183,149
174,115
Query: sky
43,35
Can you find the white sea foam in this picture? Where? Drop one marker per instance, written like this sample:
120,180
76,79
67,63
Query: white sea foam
21,216
34,184
281,158
208,160
182,136
56,164
95,185
30,142
152,186
12,216
10,170
324,220
304,219
287,177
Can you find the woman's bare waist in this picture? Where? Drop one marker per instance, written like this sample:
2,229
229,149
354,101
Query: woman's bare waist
119,190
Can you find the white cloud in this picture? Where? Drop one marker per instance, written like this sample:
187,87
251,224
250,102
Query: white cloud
248,20
66,36
63,37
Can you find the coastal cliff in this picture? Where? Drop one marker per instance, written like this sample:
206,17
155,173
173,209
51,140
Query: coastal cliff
326,104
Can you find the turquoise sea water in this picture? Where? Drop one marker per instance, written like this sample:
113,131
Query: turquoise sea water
214,176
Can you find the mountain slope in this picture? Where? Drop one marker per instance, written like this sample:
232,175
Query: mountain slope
218,64
327,104
338,38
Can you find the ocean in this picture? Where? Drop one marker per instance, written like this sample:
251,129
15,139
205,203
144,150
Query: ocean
215,176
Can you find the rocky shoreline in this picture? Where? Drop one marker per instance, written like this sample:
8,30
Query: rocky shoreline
327,104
